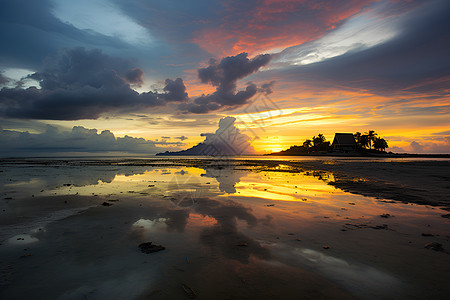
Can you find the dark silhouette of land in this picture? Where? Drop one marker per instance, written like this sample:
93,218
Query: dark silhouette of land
344,144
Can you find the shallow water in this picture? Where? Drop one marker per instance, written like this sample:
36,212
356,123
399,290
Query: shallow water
229,233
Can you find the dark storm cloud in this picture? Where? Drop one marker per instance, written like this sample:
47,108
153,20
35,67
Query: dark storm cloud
175,90
83,84
32,32
79,139
230,69
415,61
224,76
135,76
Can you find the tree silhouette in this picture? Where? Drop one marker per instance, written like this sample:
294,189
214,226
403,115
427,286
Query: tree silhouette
380,144
318,140
357,137
364,140
371,135
307,144
320,143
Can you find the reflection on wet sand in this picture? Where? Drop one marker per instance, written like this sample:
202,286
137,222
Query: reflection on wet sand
229,232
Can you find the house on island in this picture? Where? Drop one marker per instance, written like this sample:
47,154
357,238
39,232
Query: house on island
344,142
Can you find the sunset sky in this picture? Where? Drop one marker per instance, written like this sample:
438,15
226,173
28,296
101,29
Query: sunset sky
168,71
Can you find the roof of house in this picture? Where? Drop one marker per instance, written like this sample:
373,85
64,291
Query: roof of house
344,139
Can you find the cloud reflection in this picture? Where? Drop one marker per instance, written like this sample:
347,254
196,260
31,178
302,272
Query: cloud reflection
362,280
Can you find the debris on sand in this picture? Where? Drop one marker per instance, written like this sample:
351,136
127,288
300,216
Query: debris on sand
326,247
360,226
150,248
351,203
386,216
188,290
270,204
434,246
242,245
427,234
106,204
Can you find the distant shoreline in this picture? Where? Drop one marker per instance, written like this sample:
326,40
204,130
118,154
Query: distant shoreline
387,155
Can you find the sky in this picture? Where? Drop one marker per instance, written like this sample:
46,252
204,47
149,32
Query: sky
142,77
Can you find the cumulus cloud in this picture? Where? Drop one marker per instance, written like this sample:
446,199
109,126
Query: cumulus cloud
84,84
224,76
439,147
228,136
79,139
416,147
227,140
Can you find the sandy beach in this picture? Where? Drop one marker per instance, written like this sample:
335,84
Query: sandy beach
425,182
228,229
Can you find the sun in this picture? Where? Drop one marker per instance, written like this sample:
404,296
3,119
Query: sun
274,149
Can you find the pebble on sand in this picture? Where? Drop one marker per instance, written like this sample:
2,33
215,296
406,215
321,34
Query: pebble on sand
150,248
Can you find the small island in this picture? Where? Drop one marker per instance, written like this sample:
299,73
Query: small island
347,144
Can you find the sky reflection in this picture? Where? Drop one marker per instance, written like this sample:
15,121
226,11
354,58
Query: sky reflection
242,221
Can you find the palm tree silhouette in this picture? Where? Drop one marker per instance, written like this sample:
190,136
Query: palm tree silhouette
318,140
371,137
364,140
357,137
307,144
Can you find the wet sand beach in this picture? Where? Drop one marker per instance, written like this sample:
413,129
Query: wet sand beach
228,229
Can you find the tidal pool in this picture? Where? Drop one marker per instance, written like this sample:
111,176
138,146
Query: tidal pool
72,232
